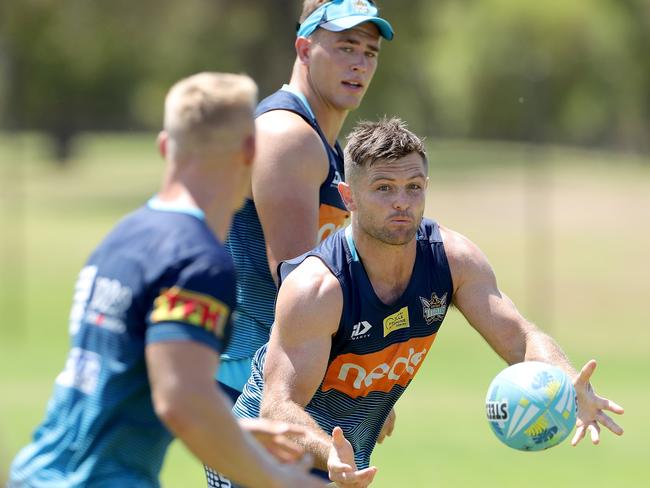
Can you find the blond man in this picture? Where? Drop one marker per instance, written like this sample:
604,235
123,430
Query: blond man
151,312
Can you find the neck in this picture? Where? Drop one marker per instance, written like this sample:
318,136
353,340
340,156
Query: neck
389,267
208,192
330,119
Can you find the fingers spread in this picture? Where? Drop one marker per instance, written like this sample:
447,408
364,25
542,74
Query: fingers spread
609,423
595,432
612,406
578,436
585,373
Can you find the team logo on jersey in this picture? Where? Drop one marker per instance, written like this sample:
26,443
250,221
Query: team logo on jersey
435,309
360,330
336,179
189,307
110,301
396,321
82,290
358,375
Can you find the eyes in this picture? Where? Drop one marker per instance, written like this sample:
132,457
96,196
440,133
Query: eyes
351,50
386,187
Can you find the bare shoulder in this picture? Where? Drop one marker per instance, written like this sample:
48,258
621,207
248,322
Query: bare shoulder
312,279
464,256
284,137
311,292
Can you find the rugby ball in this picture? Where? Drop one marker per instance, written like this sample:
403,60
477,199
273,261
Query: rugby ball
531,406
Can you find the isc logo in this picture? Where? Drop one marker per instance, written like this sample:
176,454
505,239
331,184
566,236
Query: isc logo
357,375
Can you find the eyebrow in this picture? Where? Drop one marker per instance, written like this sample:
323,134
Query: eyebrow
380,177
350,40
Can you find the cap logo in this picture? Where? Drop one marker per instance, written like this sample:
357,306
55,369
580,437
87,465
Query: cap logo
361,7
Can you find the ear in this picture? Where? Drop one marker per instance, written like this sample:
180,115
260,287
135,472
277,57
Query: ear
162,143
346,195
303,46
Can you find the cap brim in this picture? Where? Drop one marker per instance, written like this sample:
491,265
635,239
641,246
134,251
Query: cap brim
385,29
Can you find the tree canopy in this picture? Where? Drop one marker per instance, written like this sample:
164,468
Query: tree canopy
571,72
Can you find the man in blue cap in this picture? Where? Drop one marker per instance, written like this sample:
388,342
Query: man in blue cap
294,202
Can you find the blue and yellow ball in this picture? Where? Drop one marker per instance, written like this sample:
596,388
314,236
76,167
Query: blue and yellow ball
531,406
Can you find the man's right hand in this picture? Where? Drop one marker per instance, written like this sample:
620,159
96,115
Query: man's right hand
277,438
341,466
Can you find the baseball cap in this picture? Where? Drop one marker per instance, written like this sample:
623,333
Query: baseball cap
339,15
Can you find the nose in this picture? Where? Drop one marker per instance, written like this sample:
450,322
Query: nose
360,64
402,201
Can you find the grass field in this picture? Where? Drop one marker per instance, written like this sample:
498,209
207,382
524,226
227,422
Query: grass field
568,235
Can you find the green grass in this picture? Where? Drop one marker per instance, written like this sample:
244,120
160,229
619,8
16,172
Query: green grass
578,268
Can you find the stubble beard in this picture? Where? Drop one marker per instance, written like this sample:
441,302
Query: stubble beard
388,237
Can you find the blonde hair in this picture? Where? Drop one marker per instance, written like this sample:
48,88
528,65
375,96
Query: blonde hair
210,109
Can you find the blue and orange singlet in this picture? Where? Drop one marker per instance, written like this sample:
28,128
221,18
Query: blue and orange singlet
378,348
256,290
160,275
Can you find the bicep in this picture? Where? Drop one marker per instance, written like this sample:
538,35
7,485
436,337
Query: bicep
288,172
298,352
295,367
179,365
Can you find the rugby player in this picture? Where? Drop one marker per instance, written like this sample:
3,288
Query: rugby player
294,202
356,317
151,311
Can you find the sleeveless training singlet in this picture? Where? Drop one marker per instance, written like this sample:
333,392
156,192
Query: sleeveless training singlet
256,290
378,348
161,275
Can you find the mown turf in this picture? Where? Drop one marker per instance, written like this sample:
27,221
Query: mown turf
568,238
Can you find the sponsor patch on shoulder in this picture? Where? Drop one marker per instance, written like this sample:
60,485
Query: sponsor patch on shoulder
178,305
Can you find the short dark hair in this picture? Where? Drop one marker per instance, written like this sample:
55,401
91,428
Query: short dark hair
387,139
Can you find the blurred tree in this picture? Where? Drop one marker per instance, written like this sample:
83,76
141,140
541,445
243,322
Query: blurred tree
70,65
579,56
465,68
401,85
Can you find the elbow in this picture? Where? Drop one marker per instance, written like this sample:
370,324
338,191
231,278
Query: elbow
175,414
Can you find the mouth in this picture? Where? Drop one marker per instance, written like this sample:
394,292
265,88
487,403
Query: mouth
401,220
355,85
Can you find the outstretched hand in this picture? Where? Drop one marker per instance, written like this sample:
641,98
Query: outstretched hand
591,408
276,439
341,466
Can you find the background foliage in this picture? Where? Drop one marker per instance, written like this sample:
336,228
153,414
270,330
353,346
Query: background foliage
572,72
564,221
586,284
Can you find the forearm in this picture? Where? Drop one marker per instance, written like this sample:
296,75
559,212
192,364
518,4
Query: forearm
542,347
317,442
209,430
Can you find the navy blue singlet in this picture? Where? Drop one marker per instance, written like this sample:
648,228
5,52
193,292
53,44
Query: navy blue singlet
256,289
378,348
